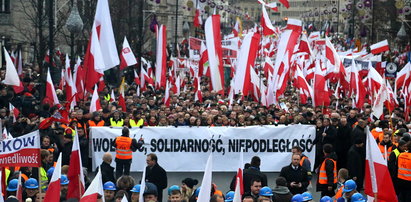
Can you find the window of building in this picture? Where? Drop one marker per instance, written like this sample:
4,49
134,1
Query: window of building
4,6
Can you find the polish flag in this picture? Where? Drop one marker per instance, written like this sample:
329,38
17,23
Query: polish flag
112,96
94,190
215,53
246,60
378,105
303,86
377,177
127,57
95,101
198,21
121,100
285,3
142,185
101,53
203,63
239,185
167,95
161,59
321,96
380,47
11,77
70,87
19,193
136,78
14,111
272,6
53,190
357,88
265,22
403,77
374,80
75,174
237,27
268,67
78,79
51,95
20,64
204,195
304,46
333,57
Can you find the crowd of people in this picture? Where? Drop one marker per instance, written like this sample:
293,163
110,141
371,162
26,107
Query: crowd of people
340,138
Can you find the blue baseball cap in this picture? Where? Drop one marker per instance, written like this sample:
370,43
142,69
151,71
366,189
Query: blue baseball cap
31,184
136,188
349,186
12,186
173,188
64,180
50,172
229,197
357,197
307,196
109,186
326,199
266,191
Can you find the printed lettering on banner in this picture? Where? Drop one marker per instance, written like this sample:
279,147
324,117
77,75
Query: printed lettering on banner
186,149
21,151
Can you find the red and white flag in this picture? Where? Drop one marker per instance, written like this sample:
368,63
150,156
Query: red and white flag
246,60
14,111
127,57
333,57
53,190
19,193
198,21
51,95
70,86
203,63
121,100
204,195
357,89
75,174
237,29
102,24
285,3
11,77
112,96
167,94
161,57
95,101
380,47
94,190
93,62
377,177
321,95
303,86
136,78
239,185
378,105
265,22
403,77
215,53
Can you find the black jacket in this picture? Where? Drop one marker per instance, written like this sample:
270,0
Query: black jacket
248,175
157,175
358,132
107,172
356,164
66,152
299,175
343,143
282,194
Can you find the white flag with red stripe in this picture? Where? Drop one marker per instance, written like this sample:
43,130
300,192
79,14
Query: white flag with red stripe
380,47
50,91
161,57
265,22
377,177
14,112
204,195
127,57
215,53
75,174
95,101
53,190
95,189
246,60
11,77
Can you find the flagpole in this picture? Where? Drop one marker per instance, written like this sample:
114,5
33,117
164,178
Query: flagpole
79,185
375,197
41,199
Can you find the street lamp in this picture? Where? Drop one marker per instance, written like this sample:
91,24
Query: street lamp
75,25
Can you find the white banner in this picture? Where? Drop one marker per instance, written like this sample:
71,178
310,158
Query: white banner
186,149
21,151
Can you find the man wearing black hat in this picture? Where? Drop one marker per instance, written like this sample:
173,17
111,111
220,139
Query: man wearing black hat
150,193
355,162
68,144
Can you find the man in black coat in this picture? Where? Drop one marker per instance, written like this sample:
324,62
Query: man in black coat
296,176
253,172
344,142
359,131
356,162
330,133
107,171
156,175
66,150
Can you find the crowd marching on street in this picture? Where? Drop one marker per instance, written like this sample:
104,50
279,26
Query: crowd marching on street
280,76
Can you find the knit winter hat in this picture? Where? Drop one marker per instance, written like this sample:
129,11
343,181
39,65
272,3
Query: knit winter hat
190,182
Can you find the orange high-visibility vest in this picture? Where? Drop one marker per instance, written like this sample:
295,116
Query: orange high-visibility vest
339,193
323,173
92,123
404,166
123,147
382,149
302,160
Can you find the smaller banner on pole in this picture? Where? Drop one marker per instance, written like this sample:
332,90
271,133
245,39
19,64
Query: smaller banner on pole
22,151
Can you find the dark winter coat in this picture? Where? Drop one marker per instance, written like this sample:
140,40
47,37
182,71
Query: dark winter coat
299,175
